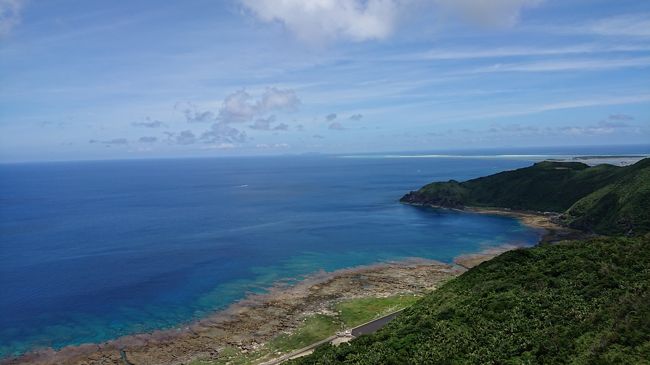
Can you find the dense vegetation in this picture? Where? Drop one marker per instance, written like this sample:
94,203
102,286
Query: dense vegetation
581,302
604,199
619,207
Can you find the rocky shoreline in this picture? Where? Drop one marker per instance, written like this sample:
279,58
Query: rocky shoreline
249,323
548,222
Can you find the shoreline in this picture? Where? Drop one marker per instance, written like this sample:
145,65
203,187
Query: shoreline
547,222
253,321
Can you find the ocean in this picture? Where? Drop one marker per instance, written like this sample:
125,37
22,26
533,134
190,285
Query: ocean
90,251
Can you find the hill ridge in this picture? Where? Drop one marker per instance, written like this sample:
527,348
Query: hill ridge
604,199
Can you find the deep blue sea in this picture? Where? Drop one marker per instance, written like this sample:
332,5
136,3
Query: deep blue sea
90,251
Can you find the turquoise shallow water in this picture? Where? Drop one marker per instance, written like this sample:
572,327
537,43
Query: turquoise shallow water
94,250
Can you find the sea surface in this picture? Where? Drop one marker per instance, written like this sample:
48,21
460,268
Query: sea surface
90,251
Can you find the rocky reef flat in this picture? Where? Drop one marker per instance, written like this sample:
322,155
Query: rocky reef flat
250,323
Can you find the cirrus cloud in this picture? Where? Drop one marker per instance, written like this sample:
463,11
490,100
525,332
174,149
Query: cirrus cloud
10,15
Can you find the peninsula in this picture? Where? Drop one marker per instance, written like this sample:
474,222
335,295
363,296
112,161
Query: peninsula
577,301
603,199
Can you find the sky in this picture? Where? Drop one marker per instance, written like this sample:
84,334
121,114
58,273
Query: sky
108,79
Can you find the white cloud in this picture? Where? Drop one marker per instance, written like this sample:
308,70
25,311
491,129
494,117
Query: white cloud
108,143
237,107
240,106
263,124
266,124
149,123
610,100
277,99
193,115
274,145
186,137
365,20
353,20
221,132
9,15
219,146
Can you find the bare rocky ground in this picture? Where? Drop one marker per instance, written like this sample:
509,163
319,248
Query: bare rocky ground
250,323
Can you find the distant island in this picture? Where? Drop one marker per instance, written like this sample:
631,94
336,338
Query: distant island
577,301
604,199
617,160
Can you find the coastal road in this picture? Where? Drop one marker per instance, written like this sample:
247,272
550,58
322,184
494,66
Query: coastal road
373,326
364,329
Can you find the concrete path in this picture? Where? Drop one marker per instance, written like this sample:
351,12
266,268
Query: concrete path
364,329
373,326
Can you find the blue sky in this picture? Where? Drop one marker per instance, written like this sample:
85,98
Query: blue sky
144,78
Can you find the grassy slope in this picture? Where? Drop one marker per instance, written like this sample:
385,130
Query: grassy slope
582,302
348,313
604,198
356,312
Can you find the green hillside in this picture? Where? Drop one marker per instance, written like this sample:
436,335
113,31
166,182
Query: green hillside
604,199
580,302
577,302
622,207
